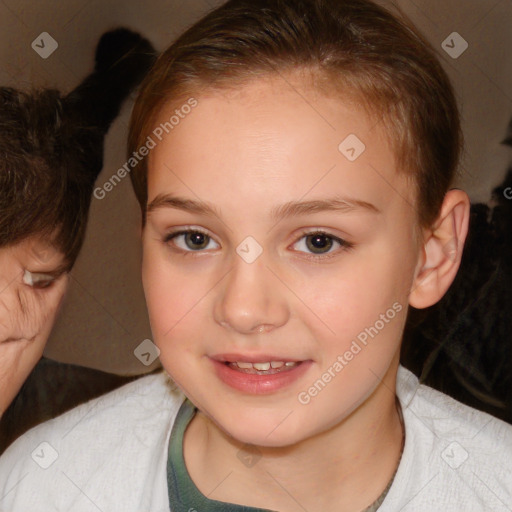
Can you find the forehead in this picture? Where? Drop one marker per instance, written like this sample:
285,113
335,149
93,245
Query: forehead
274,140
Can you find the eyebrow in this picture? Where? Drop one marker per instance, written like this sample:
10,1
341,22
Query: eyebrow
64,268
289,209
61,270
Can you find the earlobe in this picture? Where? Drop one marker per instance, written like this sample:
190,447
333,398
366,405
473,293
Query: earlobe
441,252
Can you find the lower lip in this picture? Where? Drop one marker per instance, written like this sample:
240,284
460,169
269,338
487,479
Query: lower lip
259,384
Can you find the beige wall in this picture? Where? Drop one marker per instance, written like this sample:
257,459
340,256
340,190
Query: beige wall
104,318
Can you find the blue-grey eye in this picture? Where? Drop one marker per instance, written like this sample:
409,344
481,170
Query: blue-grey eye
319,243
193,240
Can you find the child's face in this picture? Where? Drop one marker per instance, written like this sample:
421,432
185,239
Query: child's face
32,284
247,154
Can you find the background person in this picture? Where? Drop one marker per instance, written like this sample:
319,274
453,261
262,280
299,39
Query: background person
52,152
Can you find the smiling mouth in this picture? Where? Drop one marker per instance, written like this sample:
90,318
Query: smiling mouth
265,368
260,374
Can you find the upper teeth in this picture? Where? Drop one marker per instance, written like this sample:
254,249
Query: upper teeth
264,366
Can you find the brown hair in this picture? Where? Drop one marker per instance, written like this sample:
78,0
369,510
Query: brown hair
43,188
354,46
51,146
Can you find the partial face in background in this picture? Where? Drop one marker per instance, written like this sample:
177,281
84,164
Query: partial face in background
312,276
32,283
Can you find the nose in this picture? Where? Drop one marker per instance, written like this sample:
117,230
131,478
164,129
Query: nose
252,299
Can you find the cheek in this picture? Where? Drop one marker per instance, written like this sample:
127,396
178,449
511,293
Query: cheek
52,303
357,300
174,306
45,310
173,299
49,320
353,292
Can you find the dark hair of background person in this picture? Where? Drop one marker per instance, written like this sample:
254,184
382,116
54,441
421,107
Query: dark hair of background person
51,146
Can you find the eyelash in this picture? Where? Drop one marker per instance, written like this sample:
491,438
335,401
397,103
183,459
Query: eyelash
44,285
344,245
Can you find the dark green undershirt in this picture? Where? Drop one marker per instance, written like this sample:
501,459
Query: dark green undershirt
184,496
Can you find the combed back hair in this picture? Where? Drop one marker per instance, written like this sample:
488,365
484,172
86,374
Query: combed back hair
44,191
354,49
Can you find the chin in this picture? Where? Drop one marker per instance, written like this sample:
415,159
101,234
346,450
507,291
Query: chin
276,430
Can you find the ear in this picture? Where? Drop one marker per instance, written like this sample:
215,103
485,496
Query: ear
441,252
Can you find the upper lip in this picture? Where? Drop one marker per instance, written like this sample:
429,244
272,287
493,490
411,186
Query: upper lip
255,358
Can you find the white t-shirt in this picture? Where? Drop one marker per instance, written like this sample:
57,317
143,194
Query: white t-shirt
110,455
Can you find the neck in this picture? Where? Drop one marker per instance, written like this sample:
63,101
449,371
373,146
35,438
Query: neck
345,468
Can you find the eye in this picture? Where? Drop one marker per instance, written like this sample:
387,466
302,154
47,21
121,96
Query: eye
319,243
190,240
38,280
